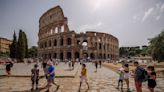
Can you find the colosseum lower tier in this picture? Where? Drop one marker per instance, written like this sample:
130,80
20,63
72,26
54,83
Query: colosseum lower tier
58,42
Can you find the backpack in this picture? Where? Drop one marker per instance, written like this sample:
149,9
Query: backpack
144,75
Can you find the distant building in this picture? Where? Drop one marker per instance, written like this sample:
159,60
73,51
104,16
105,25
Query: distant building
4,44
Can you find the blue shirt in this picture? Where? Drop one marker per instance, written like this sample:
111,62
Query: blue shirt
51,69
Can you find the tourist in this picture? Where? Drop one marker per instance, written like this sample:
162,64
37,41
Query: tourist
126,75
83,76
138,76
96,65
51,76
35,76
121,77
69,64
9,64
151,78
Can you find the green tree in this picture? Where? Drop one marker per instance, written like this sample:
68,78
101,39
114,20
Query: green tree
156,48
21,46
26,44
13,47
32,52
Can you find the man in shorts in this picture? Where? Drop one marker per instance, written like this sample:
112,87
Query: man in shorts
51,76
83,76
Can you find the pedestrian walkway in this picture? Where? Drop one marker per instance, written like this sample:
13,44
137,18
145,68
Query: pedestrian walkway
104,80
24,70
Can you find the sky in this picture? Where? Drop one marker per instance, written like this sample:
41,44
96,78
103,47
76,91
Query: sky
133,22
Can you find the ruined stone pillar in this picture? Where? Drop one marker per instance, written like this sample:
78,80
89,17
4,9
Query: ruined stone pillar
81,53
73,55
65,55
59,29
73,40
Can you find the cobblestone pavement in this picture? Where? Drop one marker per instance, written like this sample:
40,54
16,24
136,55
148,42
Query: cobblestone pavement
104,80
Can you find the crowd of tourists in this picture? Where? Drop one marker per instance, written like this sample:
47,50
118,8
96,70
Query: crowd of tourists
140,75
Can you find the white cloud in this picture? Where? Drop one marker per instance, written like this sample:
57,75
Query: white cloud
147,14
157,18
91,27
162,8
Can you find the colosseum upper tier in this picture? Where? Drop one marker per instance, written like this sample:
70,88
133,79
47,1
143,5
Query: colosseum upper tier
57,41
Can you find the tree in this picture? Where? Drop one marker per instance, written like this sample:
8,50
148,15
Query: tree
26,44
156,48
13,47
21,46
32,52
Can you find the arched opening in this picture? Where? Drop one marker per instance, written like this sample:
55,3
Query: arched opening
55,42
85,45
69,55
54,55
104,56
61,42
49,55
100,56
49,43
85,55
61,56
100,46
68,41
78,42
62,28
45,44
77,55
92,56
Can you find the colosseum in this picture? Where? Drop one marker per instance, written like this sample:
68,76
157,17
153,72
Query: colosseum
58,42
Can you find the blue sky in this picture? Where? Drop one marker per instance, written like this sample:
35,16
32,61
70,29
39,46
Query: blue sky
131,21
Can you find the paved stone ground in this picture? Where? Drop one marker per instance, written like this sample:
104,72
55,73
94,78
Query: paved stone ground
104,80
22,69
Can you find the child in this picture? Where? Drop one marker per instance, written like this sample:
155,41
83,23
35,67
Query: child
121,77
151,78
35,76
83,75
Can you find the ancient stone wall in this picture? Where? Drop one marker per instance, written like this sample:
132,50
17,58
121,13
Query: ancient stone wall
57,41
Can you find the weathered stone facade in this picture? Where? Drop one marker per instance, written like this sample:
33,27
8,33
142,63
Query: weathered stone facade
57,41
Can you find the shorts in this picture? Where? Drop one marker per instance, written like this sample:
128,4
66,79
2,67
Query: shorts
50,80
151,83
126,76
120,80
83,78
35,81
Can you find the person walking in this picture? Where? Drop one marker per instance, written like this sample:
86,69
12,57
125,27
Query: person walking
83,76
35,77
100,62
151,78
121,78
51,76
9,64
139,76
126,75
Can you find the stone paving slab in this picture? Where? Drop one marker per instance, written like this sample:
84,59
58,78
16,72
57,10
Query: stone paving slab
24,70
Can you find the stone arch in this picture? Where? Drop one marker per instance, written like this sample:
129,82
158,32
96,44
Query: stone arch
68,41
69,56
55,55
61,56
49,43
92,55
77,55
55,42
